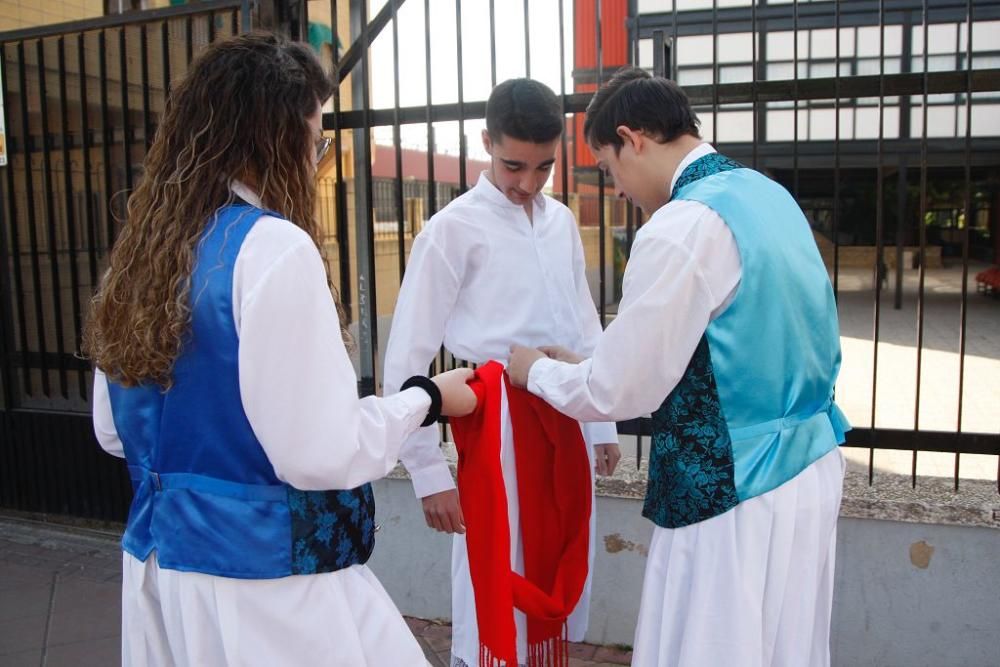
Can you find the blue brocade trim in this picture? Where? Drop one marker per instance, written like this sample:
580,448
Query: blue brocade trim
331,530
713,163
691,461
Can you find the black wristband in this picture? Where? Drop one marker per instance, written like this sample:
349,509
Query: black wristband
425,383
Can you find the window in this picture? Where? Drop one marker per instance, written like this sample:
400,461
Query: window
124,6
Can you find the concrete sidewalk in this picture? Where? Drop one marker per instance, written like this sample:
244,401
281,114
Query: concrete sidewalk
60,602
60,596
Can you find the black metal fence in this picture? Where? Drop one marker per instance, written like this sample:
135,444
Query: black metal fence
82,103
872,193
877,185
83,100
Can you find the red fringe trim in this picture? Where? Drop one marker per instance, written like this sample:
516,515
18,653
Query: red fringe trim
487,659
552,652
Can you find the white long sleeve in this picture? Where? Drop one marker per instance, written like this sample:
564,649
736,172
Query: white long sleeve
300,390
104,422
683,272
426,298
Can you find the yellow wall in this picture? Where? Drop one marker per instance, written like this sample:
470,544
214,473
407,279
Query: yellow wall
16,14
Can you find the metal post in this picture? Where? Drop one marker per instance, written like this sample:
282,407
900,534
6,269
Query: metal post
287,17
904,133
659,54
901,211
363,221
246,21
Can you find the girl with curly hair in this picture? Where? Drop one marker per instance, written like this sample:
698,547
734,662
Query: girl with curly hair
223,378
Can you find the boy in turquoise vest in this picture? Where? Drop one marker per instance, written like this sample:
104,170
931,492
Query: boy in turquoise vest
727,334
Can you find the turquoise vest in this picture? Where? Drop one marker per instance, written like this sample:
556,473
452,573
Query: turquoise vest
206,497
755,405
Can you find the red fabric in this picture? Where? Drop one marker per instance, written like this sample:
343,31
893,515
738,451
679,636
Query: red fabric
553,487
989,278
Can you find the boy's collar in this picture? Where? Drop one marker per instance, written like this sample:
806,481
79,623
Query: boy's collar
488,189
701,150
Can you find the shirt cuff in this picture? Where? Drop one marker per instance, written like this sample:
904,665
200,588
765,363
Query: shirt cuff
432,479
417,403
600,433
537,373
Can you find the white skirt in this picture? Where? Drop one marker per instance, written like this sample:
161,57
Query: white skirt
342,619
752,587
464,629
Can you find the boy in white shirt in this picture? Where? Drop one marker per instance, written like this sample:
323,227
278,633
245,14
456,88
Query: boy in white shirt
499,265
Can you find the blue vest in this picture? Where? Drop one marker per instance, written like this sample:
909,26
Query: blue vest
755,405
206,497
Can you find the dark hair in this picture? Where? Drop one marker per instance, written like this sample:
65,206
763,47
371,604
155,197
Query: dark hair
241,111
524,109
639,101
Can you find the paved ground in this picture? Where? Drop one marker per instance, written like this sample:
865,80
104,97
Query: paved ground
436,640
896,404
60,602
945,402
59,597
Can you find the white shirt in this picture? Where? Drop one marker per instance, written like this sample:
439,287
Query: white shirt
682,273
297,383
482,277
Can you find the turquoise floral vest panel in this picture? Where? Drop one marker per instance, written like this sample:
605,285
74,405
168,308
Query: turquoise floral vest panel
755,405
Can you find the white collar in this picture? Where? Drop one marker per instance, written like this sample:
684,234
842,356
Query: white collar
244,192
699,151
486,188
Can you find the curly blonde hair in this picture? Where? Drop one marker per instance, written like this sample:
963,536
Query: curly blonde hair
240,113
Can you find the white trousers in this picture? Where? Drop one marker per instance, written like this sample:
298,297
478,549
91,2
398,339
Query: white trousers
342,619
749,588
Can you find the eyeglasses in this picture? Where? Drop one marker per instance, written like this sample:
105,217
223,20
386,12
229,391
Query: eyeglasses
322,146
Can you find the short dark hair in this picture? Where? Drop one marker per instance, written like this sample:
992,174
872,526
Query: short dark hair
524,109
640,101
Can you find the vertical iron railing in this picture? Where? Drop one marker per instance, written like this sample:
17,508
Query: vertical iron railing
878,270
340,185
397,141
922,207
796,154
832,164
82,102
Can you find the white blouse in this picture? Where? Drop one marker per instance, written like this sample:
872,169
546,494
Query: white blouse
298,386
